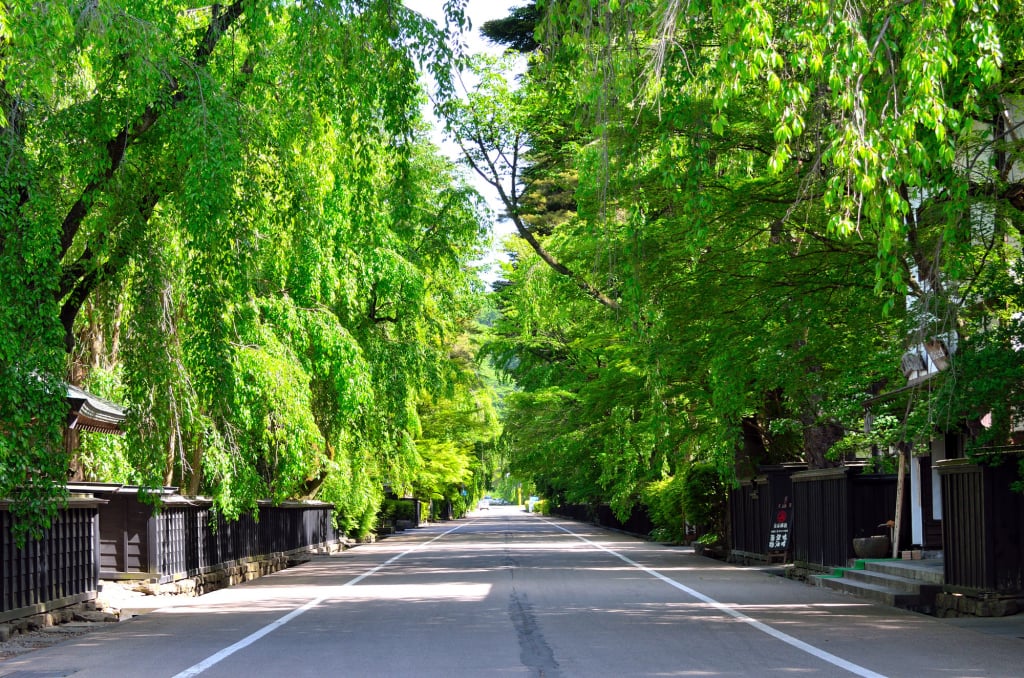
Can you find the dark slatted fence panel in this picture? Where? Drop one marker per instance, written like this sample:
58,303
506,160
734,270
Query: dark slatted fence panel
754,503
179,540
983,524
59,566
638,521
964,537
187,542
820,520
745,517
582,512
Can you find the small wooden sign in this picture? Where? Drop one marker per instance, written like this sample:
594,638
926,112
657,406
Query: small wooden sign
778,534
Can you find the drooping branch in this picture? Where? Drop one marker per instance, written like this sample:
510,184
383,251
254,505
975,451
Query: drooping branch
373,310
79,279
486,168
12,136
117,147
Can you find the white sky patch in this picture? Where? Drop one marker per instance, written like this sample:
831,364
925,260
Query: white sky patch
479,12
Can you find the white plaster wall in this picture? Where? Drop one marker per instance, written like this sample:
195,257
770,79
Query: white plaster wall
938,454
916,514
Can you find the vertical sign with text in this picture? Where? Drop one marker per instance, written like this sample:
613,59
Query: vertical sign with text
778,535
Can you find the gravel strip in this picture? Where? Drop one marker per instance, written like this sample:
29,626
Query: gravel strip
20,643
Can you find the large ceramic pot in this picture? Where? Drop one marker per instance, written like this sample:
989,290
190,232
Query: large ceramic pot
877,546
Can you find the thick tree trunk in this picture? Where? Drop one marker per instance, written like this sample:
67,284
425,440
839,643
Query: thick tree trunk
818,439
81,276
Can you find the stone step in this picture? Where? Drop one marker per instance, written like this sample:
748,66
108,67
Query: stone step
887,580
927,571
875,592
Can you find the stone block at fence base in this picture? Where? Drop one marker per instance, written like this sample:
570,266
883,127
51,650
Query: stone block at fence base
93,616
222,577
36,622
963,605
50,618
185,587
230,576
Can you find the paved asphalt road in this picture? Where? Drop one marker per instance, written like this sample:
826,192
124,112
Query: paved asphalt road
505,593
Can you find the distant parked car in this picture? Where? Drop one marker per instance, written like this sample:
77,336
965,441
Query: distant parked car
483,504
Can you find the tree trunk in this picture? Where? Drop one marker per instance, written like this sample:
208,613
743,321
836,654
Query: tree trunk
196,477
901,481
171,457
818,439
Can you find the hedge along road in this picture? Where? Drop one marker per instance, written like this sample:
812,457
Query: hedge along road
506,593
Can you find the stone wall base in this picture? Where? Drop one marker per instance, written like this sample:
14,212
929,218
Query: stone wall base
106,607
977,605
79,612
230,574
219,578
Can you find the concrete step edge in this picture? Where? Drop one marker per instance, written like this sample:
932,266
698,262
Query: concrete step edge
891,581
935,575
881,594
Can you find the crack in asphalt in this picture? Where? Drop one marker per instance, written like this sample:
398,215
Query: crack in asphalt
534,651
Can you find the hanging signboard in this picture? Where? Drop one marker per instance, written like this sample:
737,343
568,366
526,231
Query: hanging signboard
778,534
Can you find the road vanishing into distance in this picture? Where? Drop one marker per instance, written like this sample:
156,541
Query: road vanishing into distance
505,593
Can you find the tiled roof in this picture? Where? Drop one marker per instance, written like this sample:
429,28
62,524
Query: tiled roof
92,413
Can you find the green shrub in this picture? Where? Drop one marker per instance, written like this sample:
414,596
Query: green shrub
460,505
704,498
399,509
709,538
664,501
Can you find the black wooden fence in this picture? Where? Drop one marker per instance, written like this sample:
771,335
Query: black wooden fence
638,521
821,530
581,512
983,525
831,507
752,509
58,570
116,536
187,537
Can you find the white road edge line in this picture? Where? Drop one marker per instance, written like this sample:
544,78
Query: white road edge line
855,669
216,658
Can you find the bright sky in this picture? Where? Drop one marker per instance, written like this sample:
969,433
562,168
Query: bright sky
478,11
